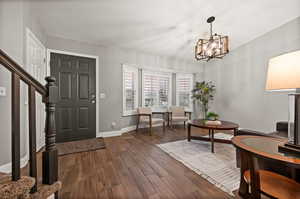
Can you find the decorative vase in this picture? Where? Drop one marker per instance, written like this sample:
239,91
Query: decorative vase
213,122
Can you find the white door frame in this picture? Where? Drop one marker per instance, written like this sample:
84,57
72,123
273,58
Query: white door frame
30,35
97,76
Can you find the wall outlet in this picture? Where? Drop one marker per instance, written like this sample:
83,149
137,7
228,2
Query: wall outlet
113,125
2,91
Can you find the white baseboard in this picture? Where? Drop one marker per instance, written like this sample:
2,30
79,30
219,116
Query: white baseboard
124,130
6,168
127,129
109,134
116,133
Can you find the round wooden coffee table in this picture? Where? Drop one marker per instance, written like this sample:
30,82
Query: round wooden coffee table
211,129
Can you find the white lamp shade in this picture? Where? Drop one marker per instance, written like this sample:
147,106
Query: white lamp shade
284,72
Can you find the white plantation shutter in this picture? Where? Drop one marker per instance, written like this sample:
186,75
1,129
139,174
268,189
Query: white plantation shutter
156,89
130,90
184,86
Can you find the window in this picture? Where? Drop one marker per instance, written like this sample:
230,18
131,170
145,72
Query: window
130,90
184,86
156,89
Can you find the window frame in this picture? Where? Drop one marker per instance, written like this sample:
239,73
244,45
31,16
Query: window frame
184,75
135,70
162,74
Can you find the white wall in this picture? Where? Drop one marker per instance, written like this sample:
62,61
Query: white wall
110,61
240,76
10,41
15,16
240,79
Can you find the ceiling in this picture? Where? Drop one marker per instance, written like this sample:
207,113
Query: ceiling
163,27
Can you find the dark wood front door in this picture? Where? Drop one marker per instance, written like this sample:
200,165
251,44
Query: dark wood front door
76,106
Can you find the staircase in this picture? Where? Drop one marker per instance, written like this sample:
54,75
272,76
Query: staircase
25,187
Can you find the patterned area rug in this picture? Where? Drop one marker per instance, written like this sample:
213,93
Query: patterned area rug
218,168
80,146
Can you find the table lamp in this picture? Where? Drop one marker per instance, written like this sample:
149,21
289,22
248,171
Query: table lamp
284,74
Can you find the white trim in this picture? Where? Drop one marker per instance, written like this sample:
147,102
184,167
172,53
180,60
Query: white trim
116,133
189,75
136,89
109,134
97,77
158,73
6,168
41,141
30,33
123,130
162,68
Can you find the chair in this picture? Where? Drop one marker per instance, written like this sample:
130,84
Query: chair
178,115
145,116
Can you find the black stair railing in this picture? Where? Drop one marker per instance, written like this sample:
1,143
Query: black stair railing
49,95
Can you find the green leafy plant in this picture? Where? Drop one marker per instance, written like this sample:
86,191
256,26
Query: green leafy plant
203,92
212,116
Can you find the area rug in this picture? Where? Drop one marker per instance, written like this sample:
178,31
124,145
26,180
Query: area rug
218,168
80,146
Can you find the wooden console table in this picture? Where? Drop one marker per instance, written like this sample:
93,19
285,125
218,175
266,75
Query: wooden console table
253,148
211,129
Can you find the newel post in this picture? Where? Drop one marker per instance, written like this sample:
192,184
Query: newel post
50,157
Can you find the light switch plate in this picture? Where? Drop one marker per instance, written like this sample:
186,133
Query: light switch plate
102,95
2,91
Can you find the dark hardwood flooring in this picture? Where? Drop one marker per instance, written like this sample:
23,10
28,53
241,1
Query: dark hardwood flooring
133,167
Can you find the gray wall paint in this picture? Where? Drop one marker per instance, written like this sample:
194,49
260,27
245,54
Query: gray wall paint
14,18
10,41
240,79
110,61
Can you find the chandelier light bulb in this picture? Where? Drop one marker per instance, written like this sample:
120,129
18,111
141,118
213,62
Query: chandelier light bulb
209,52
214,45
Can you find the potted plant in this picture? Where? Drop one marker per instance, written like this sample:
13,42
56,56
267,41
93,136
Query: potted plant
204,93
212,116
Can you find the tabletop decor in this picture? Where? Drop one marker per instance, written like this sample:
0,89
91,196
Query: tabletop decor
212,116
203,92
284,74
213,122
212,119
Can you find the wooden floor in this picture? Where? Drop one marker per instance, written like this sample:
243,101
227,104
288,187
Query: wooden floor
132,167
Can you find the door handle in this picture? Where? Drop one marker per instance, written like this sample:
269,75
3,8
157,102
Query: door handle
93,98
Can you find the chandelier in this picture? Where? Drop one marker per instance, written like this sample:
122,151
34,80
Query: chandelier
214,47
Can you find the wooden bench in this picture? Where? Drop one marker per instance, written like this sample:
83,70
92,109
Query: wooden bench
275,185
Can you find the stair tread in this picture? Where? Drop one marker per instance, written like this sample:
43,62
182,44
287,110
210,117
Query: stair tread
11,189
